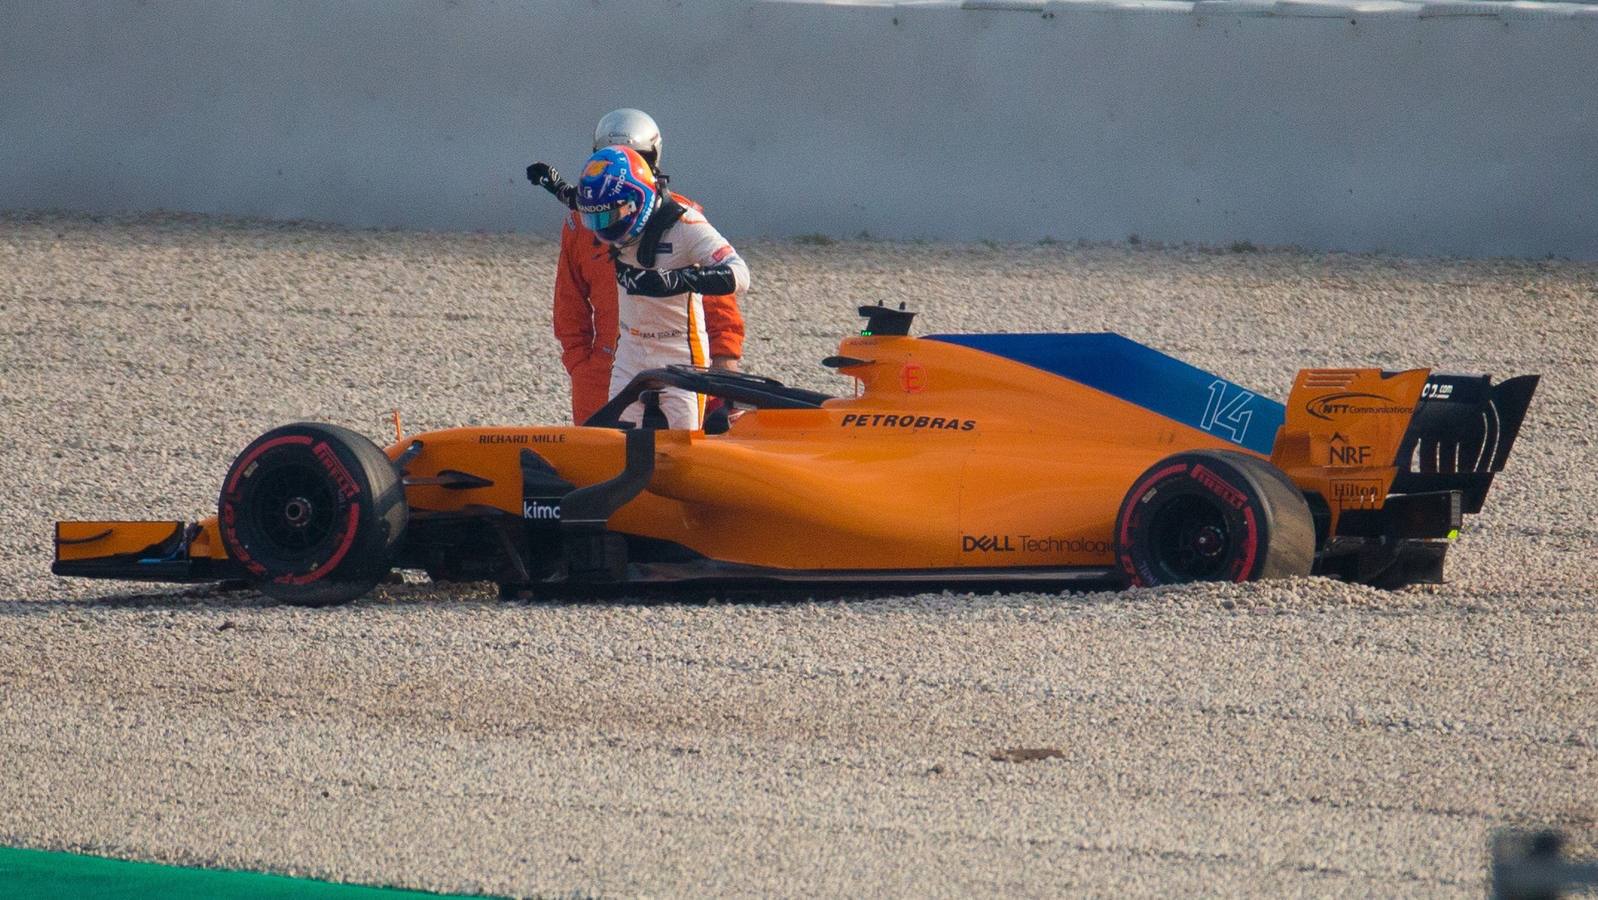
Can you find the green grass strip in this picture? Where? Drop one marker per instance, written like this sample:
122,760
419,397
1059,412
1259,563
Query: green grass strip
40,874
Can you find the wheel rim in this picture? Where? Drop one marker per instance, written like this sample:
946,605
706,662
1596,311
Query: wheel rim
294,508
1190,539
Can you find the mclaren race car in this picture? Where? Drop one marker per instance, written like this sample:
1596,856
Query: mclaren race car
959,460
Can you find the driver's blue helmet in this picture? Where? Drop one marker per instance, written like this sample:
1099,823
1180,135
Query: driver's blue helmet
616,194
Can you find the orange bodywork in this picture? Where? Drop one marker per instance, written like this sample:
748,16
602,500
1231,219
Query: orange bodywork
91,540
1003,465
946,457
1342,433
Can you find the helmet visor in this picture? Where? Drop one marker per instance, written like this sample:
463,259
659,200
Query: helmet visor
609,221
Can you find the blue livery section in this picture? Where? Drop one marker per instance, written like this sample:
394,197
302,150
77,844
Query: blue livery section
1137,374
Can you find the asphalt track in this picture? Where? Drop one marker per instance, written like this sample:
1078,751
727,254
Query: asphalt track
1301,737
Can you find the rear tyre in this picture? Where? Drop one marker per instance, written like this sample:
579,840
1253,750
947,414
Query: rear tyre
314,513
1213,515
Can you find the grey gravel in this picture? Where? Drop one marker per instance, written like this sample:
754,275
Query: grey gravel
1298,737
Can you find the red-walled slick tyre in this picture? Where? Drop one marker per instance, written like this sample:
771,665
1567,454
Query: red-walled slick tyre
314,513
1213,515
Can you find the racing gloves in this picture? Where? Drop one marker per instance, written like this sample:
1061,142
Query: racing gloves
544,175
670,282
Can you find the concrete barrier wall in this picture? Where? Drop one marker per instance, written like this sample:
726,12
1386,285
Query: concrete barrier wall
1419,128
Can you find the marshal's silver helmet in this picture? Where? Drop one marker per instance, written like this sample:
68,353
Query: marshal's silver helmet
630,128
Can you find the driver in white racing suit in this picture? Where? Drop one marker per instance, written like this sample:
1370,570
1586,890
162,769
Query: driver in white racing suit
668,257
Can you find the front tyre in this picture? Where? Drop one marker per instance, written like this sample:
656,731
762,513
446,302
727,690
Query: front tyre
314,513
1213,515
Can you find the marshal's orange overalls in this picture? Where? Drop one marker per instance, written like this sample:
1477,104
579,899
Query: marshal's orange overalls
585,315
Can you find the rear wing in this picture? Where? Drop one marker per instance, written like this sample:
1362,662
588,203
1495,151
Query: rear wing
1461,434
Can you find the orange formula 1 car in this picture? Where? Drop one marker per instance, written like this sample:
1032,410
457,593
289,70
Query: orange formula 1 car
1020,459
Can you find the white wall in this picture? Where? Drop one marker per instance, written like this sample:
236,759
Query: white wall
1365,125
